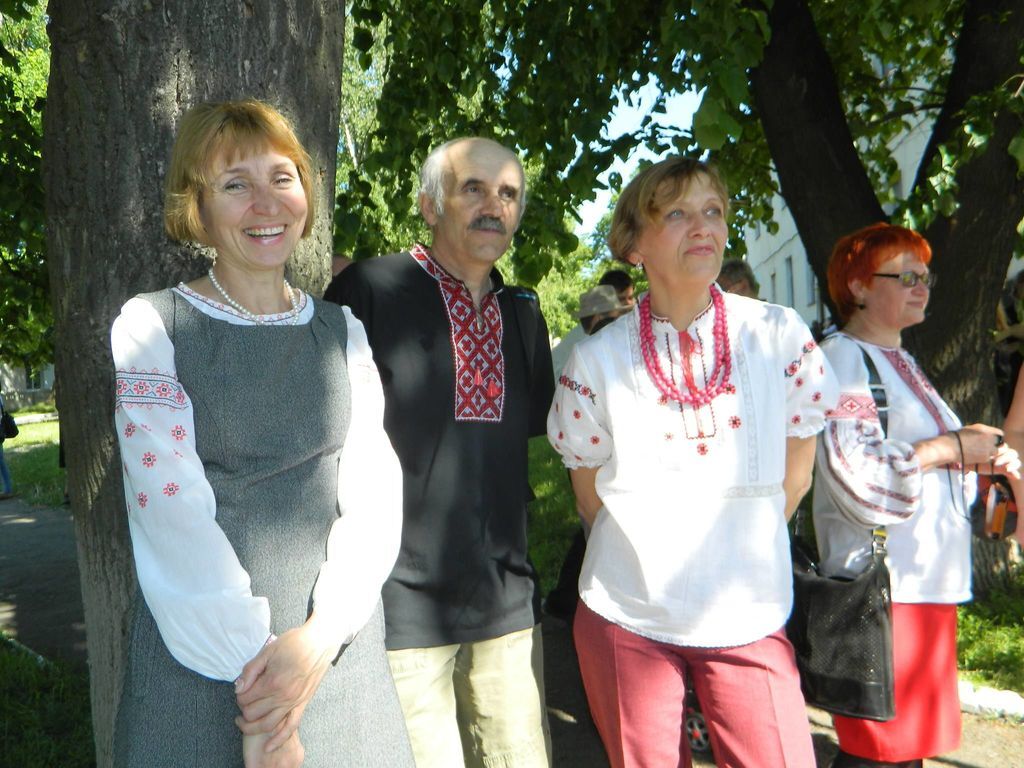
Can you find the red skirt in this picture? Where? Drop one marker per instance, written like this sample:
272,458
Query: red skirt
927,721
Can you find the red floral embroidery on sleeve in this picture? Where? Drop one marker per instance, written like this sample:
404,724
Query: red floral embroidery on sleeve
178,432
735,422
129,429
702,449
594,439
577,415
799,381
142,499
148,460
816,397
171,488
796,419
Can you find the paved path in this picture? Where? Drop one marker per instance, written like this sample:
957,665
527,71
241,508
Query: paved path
40,605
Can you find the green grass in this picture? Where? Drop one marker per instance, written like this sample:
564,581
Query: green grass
46,406
553,518
32,459
44,712
990,646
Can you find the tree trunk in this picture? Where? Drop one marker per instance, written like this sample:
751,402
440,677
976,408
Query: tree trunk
820,173
121,75
829,194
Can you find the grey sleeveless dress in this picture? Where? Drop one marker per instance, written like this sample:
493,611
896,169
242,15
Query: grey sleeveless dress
272,408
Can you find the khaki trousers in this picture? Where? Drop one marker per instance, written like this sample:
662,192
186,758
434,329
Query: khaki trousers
478,704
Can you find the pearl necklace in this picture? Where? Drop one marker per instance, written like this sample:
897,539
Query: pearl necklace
718,381
258,319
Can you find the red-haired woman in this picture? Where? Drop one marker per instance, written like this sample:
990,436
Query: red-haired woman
907,476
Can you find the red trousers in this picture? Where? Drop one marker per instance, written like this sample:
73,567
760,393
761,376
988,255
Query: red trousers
749,694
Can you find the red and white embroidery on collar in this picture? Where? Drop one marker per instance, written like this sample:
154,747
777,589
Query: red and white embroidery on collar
476,340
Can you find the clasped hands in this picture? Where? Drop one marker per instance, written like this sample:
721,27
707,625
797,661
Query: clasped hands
273,690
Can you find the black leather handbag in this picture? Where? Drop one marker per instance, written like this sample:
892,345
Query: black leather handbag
841,629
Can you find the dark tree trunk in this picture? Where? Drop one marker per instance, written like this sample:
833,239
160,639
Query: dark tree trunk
121,75
829,194
820,174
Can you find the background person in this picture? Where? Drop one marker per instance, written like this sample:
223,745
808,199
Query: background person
737,277
909,478
467,381
623,284
5,473
263,496
598,307
689,428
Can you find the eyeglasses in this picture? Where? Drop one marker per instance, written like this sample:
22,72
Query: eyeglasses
910,278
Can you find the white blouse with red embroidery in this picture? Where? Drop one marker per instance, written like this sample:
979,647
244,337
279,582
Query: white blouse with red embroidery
691,545
193,583
865,478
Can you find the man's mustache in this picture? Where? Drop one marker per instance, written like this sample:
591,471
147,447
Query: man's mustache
488,224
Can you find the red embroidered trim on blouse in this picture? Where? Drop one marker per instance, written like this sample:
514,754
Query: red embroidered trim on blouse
148,388
914,378
854,406
476,346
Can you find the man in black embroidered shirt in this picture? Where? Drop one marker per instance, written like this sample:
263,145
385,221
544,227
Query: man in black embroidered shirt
467,378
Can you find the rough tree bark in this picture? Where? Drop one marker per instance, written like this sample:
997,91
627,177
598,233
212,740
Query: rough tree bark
121,76
829,194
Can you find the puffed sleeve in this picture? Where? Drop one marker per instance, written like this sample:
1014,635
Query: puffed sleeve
810,385
363,543
577,423
873,480
195,587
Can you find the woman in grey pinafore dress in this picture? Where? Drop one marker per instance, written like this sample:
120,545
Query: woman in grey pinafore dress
259,482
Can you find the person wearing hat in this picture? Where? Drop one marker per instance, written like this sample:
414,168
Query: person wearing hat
598,307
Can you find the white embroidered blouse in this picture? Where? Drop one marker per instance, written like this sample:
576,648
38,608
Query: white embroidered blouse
691,545
865,478
198,592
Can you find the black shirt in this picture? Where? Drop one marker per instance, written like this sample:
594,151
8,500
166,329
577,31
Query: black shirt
462,574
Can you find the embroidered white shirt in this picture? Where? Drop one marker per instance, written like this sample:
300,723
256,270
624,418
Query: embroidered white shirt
691,546
198,592
865,478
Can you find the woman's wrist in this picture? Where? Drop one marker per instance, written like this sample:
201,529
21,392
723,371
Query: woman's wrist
939,451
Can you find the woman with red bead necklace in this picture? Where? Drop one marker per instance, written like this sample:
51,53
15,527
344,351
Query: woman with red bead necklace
689,428
904,471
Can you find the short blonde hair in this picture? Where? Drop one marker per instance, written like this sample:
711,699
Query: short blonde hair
236,129
649,192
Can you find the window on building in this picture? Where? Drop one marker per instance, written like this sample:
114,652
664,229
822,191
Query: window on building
33,378
812,287
789,282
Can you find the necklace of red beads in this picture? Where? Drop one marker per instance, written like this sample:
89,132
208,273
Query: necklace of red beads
718,381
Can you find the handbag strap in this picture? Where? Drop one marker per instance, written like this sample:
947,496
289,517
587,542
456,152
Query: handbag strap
877,389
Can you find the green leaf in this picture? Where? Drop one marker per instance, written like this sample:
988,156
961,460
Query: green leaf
1016,150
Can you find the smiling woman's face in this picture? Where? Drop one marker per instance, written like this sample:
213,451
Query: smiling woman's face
255,210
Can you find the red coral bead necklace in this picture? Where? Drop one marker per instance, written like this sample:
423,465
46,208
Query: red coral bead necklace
718,381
